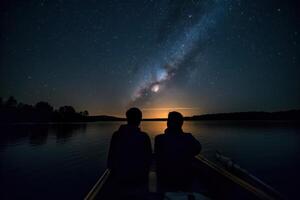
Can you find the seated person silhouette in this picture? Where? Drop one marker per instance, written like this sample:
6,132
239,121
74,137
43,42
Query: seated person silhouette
174,153
130,152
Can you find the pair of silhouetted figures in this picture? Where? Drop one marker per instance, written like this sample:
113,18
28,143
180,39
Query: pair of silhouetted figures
130,153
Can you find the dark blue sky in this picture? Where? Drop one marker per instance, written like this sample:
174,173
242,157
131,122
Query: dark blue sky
193,56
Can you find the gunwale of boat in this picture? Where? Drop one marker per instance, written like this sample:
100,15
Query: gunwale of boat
256,192
98,186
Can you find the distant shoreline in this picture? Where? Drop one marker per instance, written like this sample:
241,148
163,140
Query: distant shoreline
280,115
12,112
289,115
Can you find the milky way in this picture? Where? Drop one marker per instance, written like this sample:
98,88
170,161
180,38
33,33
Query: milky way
215,55
176,51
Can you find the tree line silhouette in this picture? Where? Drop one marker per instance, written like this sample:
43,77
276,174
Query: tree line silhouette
13,111
254,115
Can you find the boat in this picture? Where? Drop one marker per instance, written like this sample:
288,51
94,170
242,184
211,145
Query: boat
211,181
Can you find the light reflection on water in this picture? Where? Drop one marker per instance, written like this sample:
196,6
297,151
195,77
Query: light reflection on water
64,160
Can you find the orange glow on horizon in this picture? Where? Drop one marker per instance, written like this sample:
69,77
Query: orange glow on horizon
163,112
159,112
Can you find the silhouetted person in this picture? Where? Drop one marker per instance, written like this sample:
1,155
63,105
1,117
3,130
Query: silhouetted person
174,152
130,151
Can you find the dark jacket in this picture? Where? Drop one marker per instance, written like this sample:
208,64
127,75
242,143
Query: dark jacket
174,153
129,155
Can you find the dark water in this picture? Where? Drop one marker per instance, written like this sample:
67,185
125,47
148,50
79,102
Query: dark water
53,161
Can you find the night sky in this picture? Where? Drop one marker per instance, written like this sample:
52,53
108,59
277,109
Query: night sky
193,56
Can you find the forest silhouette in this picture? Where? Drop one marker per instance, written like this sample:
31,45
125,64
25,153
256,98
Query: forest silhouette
13,111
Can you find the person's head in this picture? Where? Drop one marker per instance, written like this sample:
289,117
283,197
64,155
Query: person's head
175,120
134,116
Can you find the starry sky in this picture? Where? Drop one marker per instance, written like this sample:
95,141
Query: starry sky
193,56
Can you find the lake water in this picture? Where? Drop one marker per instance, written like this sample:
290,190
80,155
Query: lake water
56,161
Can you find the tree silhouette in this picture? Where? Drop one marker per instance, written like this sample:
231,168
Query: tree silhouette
12,111
11,102
68,113
44,111
67,110
43,107
84,113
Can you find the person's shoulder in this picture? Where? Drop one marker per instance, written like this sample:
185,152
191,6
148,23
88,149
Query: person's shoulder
159,136
116,134
118,131
188,135
144,134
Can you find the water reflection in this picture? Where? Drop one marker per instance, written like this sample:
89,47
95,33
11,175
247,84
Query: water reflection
44,156
64,133
38,134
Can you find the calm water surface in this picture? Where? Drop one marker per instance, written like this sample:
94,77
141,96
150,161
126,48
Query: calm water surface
56,161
